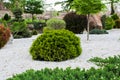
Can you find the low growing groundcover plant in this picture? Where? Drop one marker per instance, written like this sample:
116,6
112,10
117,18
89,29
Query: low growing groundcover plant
109,70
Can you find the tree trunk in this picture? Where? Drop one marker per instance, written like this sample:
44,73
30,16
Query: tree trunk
112,8
32,17
88,26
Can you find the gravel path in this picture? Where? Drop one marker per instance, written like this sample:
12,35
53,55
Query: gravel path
15,57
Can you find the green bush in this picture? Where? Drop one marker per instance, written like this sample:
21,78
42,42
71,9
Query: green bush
38,25
75,23
117,23
6,17
110,70
55,23
98,31
19,30
18,13
46,29
56,45
4,35
34,32
109,23
115,17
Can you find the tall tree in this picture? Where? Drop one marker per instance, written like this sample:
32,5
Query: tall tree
88,7
34,7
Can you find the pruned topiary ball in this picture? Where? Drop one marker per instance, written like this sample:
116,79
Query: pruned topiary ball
56,45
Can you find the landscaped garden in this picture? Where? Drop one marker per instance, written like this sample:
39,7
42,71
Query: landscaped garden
84,44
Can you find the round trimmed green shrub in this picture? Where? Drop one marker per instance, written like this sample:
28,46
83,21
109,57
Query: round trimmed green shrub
109,23
56,45
55,23
4,35
45,29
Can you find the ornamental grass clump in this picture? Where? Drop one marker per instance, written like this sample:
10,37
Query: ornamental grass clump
4,35
56,45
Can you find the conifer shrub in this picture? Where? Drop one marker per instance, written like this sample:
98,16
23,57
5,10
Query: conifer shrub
117,23
20,30
115,17
109,69
18,14
75,23
45,29
34,32
109,23
98,31
6,17
56,45
55,23
4,35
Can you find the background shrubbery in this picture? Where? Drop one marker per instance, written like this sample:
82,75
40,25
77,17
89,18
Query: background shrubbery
75,23
56,45
4,35
54,24
20,30
109,23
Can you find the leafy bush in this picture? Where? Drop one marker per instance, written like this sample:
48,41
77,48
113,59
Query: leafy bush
75,23
4,35
55,23
6,17
98,31
115,17
19,30
117,23
34,32
109,23
46,29
18,14
56,45
38,25
109,71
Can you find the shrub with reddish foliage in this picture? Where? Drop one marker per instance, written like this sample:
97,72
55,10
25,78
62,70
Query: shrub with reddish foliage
4,35
75,23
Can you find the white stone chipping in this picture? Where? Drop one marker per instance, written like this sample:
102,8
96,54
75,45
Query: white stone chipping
15,58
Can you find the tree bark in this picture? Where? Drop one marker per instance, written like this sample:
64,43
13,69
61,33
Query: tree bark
88,27
112,8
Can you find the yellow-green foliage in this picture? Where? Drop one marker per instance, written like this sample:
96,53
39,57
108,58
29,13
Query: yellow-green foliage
109,23
45,29
55,23
56,45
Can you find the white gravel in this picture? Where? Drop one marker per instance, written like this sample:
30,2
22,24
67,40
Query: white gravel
15,58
